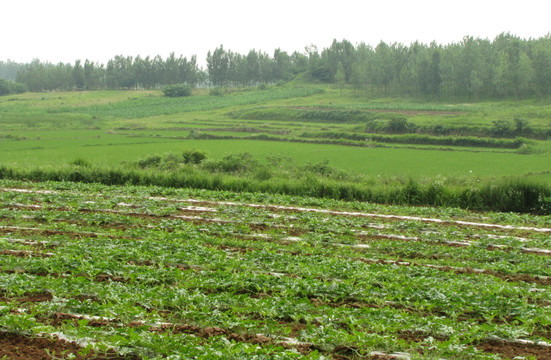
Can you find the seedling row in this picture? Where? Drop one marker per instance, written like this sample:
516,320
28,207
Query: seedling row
162,273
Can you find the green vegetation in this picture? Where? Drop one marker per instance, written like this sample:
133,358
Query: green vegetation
352,203
177,90
240,172
506,67
156,273
305,141
10,87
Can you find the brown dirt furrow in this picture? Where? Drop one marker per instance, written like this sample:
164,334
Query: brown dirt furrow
22,207
178,266
292,231
19,347
348,352
98,278
204,332
511,350
25,231
466,243
536,251
541,280
29,191
472,316
110,278
28,297
46,232
95,321
40,245
193,217
35,207
533,279
419,336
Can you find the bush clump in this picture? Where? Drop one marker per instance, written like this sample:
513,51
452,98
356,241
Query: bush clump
193,156
171,161
216,92
177,90
80,162
232,164
10,87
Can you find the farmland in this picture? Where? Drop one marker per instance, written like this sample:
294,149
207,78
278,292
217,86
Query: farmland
150,272
38,127
354,147
278,222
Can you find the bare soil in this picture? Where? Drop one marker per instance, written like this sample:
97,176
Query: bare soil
19,347
511,350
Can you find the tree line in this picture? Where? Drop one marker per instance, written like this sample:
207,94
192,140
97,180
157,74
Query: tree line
121,72
472,68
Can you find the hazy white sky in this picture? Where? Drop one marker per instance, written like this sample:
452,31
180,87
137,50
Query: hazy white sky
66,30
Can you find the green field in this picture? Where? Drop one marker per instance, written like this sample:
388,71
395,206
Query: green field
398,162
55,128
156,273
273,224
312,132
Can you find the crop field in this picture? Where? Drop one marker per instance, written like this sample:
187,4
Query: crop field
123,272
224,255
380,136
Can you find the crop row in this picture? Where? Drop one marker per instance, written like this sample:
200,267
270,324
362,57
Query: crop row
110,264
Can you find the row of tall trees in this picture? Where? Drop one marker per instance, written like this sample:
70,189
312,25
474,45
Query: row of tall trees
224,68
229,68
120,73
470,69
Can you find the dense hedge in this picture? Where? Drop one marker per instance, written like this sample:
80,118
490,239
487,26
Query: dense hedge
419,139
506,196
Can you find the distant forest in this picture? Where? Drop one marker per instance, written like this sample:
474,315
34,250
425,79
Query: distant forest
471,69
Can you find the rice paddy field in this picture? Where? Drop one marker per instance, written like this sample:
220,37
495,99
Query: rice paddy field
306,125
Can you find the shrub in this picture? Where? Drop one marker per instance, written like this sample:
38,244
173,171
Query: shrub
193,156
80,162
10,87
397,125
263,173
216,92
501,128
321,168
177,90
232,163
522,126
150,161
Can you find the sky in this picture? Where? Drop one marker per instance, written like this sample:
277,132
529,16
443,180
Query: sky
67,30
